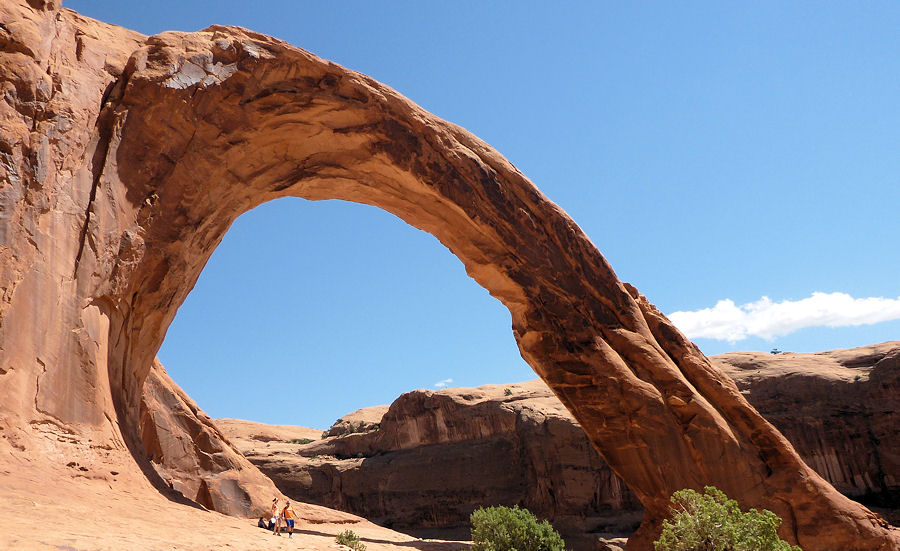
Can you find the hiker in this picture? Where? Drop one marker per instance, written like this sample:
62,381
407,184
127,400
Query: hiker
274,524
288,514
262,523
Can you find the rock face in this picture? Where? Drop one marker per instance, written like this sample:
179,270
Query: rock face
124,159
361,420
436,456
192,456
840,410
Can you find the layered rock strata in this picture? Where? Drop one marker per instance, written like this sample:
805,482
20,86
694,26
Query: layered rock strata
840,410
433,457
436,456
124,159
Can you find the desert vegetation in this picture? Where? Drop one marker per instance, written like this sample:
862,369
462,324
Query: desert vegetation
712,522
512,529
351,540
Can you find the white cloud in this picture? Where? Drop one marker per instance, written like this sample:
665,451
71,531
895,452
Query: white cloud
728,322
442,384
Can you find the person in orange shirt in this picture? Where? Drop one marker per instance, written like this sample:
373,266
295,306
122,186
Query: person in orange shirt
288,515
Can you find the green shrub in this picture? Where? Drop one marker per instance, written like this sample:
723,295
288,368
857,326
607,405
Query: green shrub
351,540
712,522
300,440
507,392
512,529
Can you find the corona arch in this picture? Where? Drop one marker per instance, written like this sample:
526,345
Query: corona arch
114,219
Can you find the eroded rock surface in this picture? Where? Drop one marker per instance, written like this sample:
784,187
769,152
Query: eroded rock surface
361,420
436,456
249,432
193,457
124,159
840,410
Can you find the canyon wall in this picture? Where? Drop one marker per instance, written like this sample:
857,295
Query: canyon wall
840,409
434,457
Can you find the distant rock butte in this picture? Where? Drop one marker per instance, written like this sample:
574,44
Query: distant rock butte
124,159
438,455
361,420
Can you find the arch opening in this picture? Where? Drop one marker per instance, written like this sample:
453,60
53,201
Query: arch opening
303,301
224,365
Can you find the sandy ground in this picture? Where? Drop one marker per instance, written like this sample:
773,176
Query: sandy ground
50,508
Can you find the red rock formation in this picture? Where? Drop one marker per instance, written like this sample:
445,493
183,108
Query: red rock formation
192,456
361,420
239,430
840,410
436,456
125,159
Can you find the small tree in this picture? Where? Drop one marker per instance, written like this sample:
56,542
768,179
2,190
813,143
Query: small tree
512,529
351,540
712,522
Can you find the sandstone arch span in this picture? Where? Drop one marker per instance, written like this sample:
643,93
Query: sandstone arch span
126,159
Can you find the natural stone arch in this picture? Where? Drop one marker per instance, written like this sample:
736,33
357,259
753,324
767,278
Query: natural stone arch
200,127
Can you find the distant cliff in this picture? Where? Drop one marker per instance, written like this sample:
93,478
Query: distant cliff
840,410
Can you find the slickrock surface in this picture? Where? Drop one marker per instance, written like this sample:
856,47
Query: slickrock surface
436,456
124,159
361,420
247,432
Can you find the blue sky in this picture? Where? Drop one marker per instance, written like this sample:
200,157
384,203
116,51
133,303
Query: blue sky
713,151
